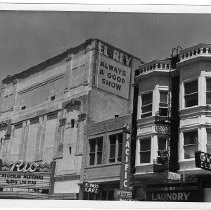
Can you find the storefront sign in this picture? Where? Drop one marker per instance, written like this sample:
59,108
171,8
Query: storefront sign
203,160
123,195
172,193
173,176
113,76
115,54
33,176
125,166
90,187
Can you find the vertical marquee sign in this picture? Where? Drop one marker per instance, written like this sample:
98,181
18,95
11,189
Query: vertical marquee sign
125,192
33,177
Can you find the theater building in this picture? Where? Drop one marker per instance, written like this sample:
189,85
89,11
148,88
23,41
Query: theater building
187,176
45,111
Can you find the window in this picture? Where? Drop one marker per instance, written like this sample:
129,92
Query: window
23,107
163,105
72,123
162,143
95,151
146,105
53,98
208,92
145,150
115,148
190,144
209,141
191,93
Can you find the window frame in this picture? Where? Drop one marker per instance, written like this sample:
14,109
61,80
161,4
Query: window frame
117,154
149,104
207,77
145,151
192,93
208,129
96,152
189,145
161,104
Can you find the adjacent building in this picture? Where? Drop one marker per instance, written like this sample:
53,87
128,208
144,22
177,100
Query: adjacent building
186,128
61,122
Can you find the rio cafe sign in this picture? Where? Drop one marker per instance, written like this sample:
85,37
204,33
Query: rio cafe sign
114,69
25,175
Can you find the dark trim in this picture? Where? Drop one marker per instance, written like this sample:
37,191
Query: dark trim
66,177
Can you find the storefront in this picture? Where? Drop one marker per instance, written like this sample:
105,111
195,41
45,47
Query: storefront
181,192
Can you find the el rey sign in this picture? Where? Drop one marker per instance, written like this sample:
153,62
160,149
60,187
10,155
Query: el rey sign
203,160
114,71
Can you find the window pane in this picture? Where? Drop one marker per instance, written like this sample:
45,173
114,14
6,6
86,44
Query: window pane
190,151
91,158
146,115
163,96
208,136
208,97
145,157
209,148
145,144
191,137
146,99
208,84
191,100
120,150
163,111
112,153
162,143
191,87
99,144
92,145
99,157
147,108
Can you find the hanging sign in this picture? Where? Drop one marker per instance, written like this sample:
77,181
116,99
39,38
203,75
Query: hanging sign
90,187
203,160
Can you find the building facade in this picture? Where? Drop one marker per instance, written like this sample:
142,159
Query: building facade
46,110
187,174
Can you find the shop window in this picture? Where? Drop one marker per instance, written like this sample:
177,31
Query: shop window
95,151
146,105
115,147
145,150
208,91
190,144
191,93
107,195
163,105
209,141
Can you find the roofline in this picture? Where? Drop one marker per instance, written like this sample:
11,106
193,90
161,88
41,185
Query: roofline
56,59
